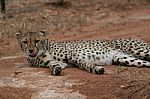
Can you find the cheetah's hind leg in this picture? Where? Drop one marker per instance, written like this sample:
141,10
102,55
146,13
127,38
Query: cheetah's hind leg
128,60
141,53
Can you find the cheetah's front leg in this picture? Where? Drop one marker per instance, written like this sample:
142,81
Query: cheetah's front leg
92,68
81,60
55,66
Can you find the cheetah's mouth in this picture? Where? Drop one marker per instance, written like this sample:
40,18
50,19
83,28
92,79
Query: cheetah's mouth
33,54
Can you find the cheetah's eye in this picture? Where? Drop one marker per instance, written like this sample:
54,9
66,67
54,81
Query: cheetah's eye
36,41
24,42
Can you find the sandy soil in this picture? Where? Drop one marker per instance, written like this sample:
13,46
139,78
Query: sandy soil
18,80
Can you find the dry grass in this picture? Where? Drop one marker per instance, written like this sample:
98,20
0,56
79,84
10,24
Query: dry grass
28,15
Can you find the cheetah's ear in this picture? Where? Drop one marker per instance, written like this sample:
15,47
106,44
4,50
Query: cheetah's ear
18,35
43,32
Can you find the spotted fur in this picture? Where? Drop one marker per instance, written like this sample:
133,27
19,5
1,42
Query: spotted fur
88,55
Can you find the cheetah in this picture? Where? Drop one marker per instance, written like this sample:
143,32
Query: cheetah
89,55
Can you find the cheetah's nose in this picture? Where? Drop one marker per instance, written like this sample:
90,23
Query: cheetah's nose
30,51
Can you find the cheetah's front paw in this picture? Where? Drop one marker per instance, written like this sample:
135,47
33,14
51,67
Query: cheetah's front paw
99,70
57,71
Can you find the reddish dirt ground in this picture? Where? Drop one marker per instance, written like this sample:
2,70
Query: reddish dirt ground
18,80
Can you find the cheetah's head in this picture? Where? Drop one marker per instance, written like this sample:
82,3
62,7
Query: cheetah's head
32,43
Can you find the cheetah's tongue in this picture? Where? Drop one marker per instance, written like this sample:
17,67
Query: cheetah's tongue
34,53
